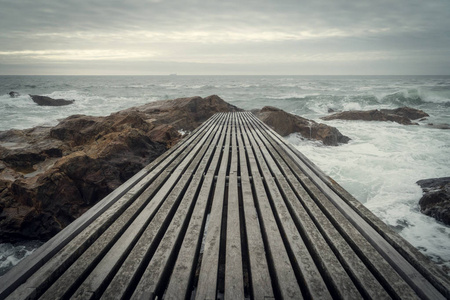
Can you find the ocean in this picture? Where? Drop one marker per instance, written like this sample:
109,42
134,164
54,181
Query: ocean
379,166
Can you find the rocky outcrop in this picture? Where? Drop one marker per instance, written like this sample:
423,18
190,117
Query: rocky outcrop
402,115
47,101
185,115
407,112
285,123
435,201
50,176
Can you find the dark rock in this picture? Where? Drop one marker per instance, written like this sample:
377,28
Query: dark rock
407,112
47,101
13,94
184,113
435,201
285,123
402,115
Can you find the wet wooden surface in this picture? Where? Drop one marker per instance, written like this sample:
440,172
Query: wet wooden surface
231,212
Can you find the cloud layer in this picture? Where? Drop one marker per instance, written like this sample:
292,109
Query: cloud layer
223,37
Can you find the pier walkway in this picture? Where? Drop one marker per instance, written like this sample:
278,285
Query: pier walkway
233,212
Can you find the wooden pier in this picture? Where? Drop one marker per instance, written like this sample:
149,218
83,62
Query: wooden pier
230,212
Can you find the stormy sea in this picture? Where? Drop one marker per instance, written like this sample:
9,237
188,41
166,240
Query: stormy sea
379,166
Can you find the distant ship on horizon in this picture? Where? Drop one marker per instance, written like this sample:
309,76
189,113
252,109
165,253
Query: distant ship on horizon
173,74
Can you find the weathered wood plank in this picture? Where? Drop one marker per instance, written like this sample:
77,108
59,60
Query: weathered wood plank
51,270
159,264
307,215
164,203
184,268
281,268
208,277
302,260
258,268
234,277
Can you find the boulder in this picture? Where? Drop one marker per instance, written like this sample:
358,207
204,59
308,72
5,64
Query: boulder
403,115
285,123
435,201
47,101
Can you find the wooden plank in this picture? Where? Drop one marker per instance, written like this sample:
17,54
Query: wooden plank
159,264
344,218
234,277
50,271
208,277
71,278
20,273
184,268
258,268
302,260
334,251
281,268
150,224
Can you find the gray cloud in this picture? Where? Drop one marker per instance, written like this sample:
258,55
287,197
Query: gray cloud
314,36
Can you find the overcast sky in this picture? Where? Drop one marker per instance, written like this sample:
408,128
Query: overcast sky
225,37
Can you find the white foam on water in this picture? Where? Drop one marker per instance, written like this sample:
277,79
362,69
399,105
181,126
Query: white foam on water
380,168
438,95
12,254
351,106
22,112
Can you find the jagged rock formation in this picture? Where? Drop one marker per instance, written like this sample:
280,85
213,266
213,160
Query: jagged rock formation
285,123
402,115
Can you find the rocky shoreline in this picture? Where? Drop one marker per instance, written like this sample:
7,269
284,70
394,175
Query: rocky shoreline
49,176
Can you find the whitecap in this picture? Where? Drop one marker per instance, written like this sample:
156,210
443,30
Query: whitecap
12,254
